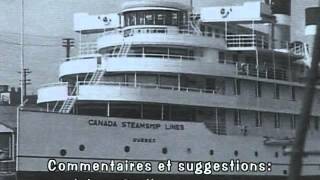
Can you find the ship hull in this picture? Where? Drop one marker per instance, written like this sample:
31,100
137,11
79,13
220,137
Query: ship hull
47,140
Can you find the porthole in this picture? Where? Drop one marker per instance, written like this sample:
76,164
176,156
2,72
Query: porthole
211,152
82,147
63,152
256,154
164,150
236,153
127,149
276,154
189,151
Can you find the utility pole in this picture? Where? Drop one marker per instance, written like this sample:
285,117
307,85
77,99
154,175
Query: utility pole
68,43
24,82
298,147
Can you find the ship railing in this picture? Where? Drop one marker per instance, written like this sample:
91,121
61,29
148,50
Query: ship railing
247,41
140,55
162,56
88,48
262,71
54,84
153,86
82,57
294,48
146,30
298,49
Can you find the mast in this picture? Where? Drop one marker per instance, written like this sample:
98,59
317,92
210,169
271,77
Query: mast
22,77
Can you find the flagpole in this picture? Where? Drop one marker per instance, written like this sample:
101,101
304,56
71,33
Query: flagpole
22,80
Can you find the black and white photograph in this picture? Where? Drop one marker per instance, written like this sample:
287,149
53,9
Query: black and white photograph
159,90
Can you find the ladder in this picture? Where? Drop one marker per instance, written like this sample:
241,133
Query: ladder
68,105
194,23
56,107
114,54
97,76
194,27
124,49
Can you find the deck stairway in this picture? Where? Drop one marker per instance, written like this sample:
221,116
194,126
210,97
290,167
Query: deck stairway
68,105
97,76
124,49
194,23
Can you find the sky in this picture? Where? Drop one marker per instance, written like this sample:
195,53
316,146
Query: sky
46,23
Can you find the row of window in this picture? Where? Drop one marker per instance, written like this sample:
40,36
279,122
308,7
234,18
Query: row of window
152,17
258,89
187,113
247,66
156,52
277,120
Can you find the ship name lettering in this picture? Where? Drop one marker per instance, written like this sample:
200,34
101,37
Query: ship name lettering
174,127
140,125
102,123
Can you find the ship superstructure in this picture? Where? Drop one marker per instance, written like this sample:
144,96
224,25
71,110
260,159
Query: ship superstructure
158,81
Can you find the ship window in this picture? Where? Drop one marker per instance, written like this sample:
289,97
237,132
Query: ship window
285,172
237,118
256,154
127,149
235,58
258,89
164,150
182,113
258,119
276,154
276,94
210,84
221,57
293,93
209,30
140,18
126,20
182,18
160,18
149,18
236,153
316,123
277,120
155,52
293,122
217,33
177,51
63,152
125,110
211,152
189,151
152,111
236,86
132,19
82,147
175,18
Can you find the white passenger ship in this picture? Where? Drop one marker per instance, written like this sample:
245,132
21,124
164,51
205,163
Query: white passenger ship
159,82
